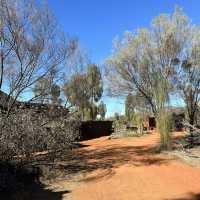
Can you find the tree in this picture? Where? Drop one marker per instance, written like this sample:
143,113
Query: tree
95,82
116,116
55,94
41,90
188,83
102,110
96,87
144,59
129,107
84,90
139,56
91,111
46,92
185,69
135,104
31,46
162,117
76,91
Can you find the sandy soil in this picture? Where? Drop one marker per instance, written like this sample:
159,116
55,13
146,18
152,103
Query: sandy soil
129,169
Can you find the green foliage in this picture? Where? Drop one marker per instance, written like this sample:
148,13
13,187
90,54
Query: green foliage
161,90
95,82
135,104
141,54
77,92
116,116
44,91
102,110
119,122
163,121
138,119
55,94
164,128
41,89
84,90
129,107
91,112
157,61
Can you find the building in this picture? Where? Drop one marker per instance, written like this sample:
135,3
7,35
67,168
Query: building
177,116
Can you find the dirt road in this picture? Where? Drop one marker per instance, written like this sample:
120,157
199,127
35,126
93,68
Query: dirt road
126,169
129,169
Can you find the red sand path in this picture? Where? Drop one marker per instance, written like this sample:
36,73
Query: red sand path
128,169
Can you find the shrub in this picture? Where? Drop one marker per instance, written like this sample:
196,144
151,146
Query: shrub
23,134
119,123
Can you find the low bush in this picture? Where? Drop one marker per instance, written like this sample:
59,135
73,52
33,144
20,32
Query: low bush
24,135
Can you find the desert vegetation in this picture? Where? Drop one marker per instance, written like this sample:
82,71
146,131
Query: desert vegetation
43,95
151,65
50,89
32,50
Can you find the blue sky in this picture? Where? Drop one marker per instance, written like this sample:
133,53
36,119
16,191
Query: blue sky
97,22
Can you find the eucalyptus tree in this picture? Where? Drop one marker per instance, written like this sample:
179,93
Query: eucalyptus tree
77,92
55,94
83,90
102,110
95,84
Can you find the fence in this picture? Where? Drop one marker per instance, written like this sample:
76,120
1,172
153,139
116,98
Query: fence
95,129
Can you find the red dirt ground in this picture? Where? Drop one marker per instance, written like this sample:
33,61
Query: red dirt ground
129,169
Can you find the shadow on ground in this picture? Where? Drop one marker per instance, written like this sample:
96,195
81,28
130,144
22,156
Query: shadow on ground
109,157
191,196
22,182
33,192
106,155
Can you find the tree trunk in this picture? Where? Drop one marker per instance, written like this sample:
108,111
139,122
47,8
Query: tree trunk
191,120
